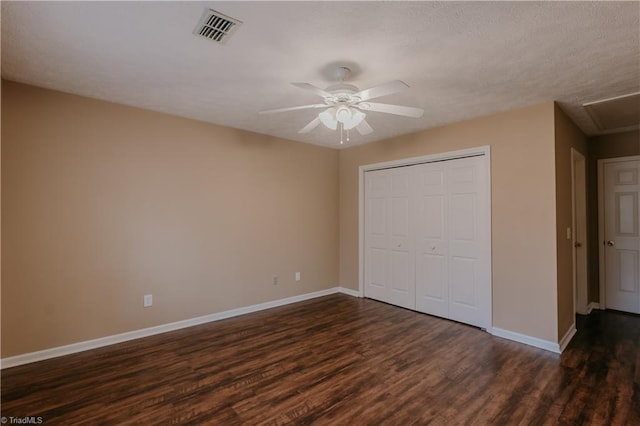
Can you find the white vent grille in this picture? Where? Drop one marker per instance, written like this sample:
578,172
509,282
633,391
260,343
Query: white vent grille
216,26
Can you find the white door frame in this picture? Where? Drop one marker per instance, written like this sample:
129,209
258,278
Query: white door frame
579,306
452,155
601,262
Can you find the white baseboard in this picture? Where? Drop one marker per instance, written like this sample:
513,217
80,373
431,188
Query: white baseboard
349,292
567,337
527,340
592,306
27,358
536,342
585,311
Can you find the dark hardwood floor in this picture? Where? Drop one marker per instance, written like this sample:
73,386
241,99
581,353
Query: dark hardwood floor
339,360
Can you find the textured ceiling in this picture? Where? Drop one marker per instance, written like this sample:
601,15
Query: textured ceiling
461,59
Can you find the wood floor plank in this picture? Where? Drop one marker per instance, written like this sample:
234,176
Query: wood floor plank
339,360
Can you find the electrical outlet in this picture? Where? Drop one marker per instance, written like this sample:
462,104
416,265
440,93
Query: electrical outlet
275,280
297,276
148,300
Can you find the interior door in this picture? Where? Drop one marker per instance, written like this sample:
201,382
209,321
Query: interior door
389,258
622,239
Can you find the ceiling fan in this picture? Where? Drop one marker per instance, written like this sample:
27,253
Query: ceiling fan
346,105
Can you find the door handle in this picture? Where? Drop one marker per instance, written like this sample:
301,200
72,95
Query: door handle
578,244
611,243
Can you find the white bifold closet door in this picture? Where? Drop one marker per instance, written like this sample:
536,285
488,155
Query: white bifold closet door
427,239
390,271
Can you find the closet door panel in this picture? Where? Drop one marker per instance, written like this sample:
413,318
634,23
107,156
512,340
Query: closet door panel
376,267
389,258
401,290
466,241
432,294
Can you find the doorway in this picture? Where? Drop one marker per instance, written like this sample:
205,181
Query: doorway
619,232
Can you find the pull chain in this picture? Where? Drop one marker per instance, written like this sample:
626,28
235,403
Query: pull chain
341,129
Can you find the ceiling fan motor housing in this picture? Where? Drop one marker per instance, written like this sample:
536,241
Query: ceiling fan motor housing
339,88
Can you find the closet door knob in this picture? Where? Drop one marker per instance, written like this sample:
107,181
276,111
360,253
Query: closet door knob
611,243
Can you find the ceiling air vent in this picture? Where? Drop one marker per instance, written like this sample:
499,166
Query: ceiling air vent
216,26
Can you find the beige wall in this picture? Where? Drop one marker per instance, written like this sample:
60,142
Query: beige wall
605,146
523,208
567,136
103,203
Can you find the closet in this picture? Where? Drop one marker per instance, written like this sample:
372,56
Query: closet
427,238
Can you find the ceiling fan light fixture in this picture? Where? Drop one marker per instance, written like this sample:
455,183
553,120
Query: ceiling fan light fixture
328,119
344,114
355,118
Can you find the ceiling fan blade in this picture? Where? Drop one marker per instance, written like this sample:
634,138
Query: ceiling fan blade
394,86
273,111
309,127
312,88
392,109
364,128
